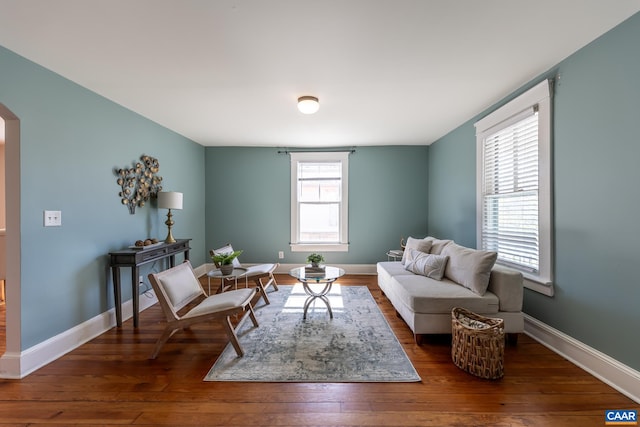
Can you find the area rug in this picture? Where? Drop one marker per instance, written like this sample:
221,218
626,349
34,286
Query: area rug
357,345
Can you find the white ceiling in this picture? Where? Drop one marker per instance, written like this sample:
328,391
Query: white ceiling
229,72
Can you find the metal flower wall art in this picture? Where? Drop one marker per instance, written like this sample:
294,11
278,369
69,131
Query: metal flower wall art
139,183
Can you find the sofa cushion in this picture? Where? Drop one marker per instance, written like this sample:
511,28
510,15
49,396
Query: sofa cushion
428,265
469,267
422,245
437,245
424,295
388,269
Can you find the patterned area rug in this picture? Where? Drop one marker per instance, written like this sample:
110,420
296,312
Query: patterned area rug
357,345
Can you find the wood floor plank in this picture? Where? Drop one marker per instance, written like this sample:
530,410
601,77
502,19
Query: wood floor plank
109,381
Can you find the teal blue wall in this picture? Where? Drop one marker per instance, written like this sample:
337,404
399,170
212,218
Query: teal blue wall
452,187
71,140
387,200
597,201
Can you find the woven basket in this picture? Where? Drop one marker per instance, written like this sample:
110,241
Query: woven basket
477,344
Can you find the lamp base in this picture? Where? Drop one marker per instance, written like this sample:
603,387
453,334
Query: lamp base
169,222
169,238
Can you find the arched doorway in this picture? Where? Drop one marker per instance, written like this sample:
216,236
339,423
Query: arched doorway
10,360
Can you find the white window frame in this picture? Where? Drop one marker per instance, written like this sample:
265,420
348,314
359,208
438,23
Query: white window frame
538,97
330,156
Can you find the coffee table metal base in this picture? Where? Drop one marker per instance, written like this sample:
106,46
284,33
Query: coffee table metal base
312,296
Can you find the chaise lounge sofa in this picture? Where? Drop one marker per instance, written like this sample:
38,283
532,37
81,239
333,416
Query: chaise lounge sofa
434,276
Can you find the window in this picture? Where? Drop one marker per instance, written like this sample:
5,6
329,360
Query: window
319,201
514,186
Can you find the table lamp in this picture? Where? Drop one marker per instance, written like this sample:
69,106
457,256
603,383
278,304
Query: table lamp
169,200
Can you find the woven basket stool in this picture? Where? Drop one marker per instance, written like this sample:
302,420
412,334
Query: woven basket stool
477,345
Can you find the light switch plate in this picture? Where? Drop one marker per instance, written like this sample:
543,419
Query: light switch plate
52,218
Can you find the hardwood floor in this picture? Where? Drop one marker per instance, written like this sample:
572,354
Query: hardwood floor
109,381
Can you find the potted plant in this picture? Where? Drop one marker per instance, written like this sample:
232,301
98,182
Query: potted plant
315,259
224,261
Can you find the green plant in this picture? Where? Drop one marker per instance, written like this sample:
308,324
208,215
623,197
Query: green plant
225,258
315,258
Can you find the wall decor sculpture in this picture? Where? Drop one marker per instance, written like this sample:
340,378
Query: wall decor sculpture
139,182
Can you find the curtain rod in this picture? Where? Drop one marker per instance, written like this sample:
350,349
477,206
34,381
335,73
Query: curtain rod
316,150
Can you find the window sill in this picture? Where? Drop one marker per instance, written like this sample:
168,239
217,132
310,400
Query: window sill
316,247
545,288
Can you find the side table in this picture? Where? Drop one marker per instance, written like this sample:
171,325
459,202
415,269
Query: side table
330,275
235,274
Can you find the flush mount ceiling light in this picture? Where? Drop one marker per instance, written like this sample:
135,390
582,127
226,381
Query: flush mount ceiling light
308,104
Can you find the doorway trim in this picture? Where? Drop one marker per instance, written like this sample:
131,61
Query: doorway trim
10,361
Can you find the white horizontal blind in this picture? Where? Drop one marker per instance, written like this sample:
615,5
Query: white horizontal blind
510,194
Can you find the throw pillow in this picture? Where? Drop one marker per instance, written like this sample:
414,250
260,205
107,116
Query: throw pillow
469,267
437,245
428,265
422,245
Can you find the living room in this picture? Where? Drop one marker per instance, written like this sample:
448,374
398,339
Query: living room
63,142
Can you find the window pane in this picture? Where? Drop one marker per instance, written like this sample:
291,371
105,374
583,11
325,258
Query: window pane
511,228
514,198
510,208
319,191
310,170
319,201
319,222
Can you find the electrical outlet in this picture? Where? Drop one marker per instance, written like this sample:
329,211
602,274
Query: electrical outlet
140,280
281,254
52,218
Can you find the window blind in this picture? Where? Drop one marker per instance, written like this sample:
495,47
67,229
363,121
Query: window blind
510,194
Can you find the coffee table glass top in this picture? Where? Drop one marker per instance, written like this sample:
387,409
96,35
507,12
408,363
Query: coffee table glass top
330,274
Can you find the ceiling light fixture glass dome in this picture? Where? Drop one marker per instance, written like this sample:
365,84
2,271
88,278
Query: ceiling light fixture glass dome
308,104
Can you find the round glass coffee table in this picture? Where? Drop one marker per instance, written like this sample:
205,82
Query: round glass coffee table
324,278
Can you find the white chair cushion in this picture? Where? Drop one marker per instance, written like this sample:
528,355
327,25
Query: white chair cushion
259,269
221,302
180,285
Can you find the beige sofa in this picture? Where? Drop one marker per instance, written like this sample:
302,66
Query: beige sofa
449,275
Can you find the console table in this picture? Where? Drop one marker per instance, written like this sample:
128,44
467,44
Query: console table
134,258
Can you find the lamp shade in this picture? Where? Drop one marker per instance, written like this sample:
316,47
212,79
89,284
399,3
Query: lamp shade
308,104
169,200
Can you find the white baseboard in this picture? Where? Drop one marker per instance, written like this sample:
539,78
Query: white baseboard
19,365
618,375
285,268
348,268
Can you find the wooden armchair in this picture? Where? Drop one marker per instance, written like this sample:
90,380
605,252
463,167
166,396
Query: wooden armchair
260,274
178,286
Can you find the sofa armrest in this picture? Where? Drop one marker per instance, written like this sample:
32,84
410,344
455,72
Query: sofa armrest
508,286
